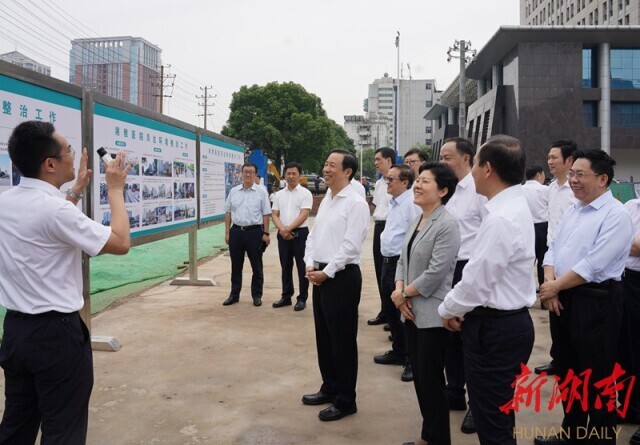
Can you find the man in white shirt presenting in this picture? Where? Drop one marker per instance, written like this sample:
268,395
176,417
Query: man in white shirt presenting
537,196
332,257
383,160
46,347
290,210
490,303
560,160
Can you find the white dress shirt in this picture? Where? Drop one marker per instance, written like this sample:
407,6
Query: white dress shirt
290,202
402,212
468,208
357,185
338,232
560,199
633,207
498,274
537,196
248,206
381,200
592,240
43,237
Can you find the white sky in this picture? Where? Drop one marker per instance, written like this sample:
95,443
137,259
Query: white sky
334,49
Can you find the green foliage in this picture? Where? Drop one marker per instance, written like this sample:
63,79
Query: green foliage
285,121
368,165
426,148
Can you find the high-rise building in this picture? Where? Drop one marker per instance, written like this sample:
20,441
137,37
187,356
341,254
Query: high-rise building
20,59
579,12
368,132
127,68
415,98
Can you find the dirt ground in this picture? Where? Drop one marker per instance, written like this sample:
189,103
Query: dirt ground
191,371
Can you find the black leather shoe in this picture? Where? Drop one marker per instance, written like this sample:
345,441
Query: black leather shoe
457,404
468,425
300,305
389,358
407,374
282,302
550,440
635,439
549,368
257,302
333,413
230,301
318,398
386,327
380,319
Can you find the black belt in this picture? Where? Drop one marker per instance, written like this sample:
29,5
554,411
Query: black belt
631,273
321,266
605,285
390,259
17,314
483,311
253,227
380,222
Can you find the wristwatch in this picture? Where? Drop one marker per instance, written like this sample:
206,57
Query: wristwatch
266,233
404,295
73,195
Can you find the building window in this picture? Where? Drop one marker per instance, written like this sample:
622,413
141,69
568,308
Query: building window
625,114
429,104
588,68
604,12
590,113
625,68
428,130
428,86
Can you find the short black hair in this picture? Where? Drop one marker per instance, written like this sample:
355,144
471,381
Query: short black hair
405,173
293,165
506,156
463,146
601,162
348,161
416,151
30,143
532,171
250,164
387,153
444,175
567,147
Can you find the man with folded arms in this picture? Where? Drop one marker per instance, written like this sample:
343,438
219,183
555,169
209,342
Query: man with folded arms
332,257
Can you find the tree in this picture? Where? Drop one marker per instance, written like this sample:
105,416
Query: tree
368,165
285,121
426,148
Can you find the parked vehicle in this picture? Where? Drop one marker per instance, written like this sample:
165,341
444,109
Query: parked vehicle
308,181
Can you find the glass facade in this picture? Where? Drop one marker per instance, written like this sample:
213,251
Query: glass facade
625,68
590,113
588,68
625,114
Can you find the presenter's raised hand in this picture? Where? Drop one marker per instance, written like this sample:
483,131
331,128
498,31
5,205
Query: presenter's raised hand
116,172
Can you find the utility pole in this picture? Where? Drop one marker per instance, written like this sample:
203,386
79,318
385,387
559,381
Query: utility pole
162,85
396,88
206,103
462,47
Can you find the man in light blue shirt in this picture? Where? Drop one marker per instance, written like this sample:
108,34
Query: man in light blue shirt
246,224
402,212
582,287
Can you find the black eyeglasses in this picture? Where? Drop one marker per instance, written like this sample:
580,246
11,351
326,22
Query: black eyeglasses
390,179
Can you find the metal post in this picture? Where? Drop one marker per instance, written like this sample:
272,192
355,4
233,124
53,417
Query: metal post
604,106
193,264
462,113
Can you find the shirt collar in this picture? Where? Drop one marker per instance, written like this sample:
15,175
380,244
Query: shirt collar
39,184
504,195
254,186
532,181
464,182
596,203
296,188
407,194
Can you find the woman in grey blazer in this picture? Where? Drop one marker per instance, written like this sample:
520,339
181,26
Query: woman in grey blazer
423,278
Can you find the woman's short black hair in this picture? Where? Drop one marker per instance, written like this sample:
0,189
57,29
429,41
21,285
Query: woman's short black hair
444,175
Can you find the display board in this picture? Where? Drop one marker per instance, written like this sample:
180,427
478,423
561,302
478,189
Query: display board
22,101
160,193
220,170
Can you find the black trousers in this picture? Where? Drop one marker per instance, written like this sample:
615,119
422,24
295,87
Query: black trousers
494,349
288,251
48,371
589,328
391,313
249,241
378,228
629,346
454,365
427,351
335,315
540,248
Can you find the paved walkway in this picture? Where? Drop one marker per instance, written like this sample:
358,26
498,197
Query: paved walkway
191,371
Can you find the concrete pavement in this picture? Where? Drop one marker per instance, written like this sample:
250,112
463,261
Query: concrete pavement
191,371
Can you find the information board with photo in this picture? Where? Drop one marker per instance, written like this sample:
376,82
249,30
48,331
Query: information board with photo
220,170
160,193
